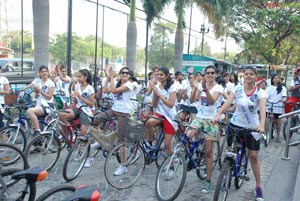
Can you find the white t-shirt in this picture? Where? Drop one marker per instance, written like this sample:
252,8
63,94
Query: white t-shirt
3,81
41,100
62,85
274,97
122,100
85,93
246,114
206,110
163,109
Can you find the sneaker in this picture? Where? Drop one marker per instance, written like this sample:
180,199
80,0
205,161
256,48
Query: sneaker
120,170
89,161
95,146
259,194
190,165
207,188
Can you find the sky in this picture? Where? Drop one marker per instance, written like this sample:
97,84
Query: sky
115,23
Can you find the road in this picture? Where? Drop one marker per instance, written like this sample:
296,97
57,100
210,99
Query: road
144,189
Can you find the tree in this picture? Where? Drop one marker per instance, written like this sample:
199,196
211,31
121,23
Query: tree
40,10
14,38
206,50
161,51
267,34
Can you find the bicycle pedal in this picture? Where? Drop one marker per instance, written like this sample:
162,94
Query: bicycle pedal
246,178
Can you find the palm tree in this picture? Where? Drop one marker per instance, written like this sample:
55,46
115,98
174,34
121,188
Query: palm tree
131,38
40,9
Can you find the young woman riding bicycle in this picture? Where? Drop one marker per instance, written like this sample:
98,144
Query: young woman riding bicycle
209,93
122,92
44,89
249,99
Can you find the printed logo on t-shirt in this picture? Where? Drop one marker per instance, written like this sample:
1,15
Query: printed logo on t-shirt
204,101
44,87
84,95
254,98
118,96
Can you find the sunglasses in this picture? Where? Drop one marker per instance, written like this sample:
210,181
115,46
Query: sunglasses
63,71
210,73
124,73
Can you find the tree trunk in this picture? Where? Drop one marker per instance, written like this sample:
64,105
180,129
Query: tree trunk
131,46
179,40
40,9
131,39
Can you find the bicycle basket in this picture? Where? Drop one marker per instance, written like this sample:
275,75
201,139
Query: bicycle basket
136,131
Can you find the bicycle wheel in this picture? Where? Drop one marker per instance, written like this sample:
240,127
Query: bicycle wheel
171,177
13,135
241,169
223,145
75,159
11,155
133,162
14,188
110,126
43,151
224,182
57,193
269,128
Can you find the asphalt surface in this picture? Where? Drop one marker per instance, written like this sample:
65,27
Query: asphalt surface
274,171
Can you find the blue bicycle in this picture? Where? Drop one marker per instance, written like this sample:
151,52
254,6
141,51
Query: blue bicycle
234,165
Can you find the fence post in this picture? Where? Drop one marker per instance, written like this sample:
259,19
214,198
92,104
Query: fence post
287,140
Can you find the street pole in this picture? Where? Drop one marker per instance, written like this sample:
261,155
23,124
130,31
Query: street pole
203,30
96,47
22,36
189,40
163,47
69,39
146,52
102,44
225,48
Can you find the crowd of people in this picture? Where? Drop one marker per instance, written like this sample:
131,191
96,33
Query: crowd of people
207,93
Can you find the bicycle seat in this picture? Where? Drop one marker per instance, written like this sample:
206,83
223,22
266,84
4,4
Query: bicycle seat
84,194
32,174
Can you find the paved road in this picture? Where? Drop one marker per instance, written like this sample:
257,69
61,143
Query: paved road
144,188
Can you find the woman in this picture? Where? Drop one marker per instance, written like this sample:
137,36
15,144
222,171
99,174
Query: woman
249,99
4,90
62,83
276,93
210,95
83,95
164,97
234,79
44,89
122,92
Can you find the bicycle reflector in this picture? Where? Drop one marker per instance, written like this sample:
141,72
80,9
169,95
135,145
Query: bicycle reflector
42,176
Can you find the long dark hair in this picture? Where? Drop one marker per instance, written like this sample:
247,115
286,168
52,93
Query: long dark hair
87,74
119,82
169,80
279,85
236,79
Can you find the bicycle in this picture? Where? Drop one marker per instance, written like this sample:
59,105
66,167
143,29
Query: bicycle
234,165
295,121
10,182
70,193
137,152
10,177
189,154
270,122
80,151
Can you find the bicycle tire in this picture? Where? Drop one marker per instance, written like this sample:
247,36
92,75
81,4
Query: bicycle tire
43,151
76,159
268,130
241,169
11,155
14,186
165,182
134,162
57,193
223,182
15,136
223,145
